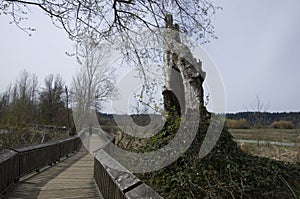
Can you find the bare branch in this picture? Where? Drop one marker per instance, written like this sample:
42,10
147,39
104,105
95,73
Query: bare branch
106,18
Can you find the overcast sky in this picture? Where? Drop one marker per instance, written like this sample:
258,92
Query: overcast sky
257,52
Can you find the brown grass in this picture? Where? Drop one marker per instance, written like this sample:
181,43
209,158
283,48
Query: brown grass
287,154
283,153
278,135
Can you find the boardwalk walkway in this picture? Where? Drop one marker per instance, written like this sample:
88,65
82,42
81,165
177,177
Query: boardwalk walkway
70,178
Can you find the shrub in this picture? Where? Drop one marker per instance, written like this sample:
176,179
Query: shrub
237,124
282,124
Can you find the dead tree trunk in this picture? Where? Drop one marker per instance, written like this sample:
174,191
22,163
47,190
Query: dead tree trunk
184,77
183,93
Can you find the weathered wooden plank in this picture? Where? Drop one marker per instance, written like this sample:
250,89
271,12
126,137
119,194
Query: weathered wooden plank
71,178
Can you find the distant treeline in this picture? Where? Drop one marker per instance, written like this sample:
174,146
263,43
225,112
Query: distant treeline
25,102
33,114
242,119
266,118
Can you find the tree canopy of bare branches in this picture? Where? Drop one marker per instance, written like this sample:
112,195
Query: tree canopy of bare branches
94,82
110,17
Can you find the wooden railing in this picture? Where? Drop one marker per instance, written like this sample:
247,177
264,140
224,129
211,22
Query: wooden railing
115,181
112,183
15,163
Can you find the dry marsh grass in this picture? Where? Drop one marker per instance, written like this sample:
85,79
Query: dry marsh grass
283,153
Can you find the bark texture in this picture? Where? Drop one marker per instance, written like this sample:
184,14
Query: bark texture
184,77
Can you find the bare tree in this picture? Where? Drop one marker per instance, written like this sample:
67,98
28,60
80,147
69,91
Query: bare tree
51,102
94,83
4,105
259,107
21,99
27,93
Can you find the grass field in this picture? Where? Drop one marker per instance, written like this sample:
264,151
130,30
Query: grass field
277,135
284,153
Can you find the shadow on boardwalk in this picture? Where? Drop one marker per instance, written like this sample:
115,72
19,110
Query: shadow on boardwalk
70,178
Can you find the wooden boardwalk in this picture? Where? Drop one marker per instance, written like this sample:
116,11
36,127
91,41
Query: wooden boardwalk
70,178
